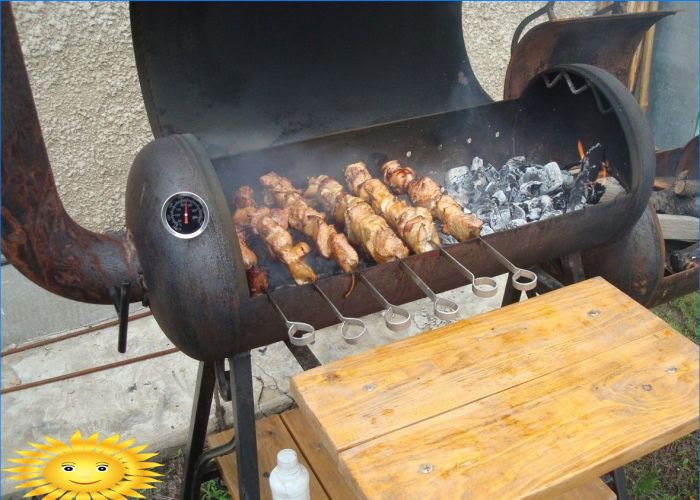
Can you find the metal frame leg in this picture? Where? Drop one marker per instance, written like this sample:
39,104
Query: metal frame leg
620,484
201,406
244,425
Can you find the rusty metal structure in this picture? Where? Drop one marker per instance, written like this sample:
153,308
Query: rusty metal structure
292,87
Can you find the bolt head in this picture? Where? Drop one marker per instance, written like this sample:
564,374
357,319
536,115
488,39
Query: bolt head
426,468
593,313
369,387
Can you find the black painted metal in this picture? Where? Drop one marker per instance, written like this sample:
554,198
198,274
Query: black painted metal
201,406
572,267
244,426
194,285
620,484
245,76
545,281
122,306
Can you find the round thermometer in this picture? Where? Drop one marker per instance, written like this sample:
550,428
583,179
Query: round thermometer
185,215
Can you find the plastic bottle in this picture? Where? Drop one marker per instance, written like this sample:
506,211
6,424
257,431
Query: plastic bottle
290,479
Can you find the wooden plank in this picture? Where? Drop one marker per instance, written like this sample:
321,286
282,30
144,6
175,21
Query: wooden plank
679,227
592,490
324,466
545,436
365,396
272,436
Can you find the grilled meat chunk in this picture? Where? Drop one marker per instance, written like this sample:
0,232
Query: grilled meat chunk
278,240
361,224
414,225
425,192
306,219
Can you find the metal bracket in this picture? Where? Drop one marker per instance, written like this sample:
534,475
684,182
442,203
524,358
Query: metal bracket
120,297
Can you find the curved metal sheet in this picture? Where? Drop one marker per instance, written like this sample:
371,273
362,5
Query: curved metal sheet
38,237
245,76
607,42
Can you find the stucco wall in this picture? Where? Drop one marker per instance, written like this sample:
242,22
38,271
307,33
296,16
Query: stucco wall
82,70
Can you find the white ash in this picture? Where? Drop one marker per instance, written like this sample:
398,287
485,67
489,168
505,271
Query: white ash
517,193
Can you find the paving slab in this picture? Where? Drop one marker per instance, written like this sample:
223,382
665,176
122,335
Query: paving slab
151,400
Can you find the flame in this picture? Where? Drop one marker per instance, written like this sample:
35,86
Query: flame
602,173
581,151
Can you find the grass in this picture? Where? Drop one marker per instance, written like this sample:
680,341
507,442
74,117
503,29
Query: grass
670,473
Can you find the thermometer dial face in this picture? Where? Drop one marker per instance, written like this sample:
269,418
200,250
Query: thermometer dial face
185,215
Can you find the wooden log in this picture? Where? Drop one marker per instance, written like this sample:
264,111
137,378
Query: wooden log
684,259
678,227
685,186
668,202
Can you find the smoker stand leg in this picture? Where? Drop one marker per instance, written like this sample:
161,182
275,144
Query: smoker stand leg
244,441
619,484
572,265
244,425
510,295
201,407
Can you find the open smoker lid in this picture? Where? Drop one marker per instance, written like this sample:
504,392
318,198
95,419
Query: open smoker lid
244,76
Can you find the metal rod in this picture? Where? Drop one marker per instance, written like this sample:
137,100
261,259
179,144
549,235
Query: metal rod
201,406
442,308
522,279
244,426
351,328
299,333
391,312
482,286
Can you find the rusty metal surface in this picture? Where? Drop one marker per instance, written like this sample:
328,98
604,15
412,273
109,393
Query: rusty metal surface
604,41
676,285
633,262
667,161
38,236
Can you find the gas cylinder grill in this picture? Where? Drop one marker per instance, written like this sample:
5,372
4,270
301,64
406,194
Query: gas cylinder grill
319,101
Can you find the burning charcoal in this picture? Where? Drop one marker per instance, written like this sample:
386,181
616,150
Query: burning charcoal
594,192
517,163
590,166
446,239
554,176
533,173
485,229
516,223
455,179
531,188
516,212
551,213
558,200
477,164
499,197
500,219
491,173
568,179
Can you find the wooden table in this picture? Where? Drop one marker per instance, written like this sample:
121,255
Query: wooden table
531,400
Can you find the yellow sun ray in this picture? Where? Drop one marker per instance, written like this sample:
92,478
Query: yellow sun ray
41,490
55,494
85,468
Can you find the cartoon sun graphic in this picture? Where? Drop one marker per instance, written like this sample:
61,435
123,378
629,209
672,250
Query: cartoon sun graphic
85,469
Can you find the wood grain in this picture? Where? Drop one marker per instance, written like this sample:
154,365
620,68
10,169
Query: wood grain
420,377
272,436
593,490
324,466
545,436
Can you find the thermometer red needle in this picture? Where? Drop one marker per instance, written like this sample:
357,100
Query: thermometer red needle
187,214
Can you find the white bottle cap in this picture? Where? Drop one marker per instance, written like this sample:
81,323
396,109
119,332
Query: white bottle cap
287,459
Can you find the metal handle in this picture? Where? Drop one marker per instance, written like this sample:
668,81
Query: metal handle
396,318
442,308
299,333
522,279
351,328
482,287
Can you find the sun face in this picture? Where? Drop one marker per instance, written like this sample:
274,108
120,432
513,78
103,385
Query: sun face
85,469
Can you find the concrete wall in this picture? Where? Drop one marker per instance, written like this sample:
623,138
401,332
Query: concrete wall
82,70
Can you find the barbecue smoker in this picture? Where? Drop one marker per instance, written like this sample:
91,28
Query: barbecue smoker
236,90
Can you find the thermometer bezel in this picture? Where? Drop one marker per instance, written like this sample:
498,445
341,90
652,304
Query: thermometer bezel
164,216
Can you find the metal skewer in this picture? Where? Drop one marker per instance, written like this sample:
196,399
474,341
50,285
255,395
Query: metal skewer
482,287
352,328
442,308
396,318
522,279
299,333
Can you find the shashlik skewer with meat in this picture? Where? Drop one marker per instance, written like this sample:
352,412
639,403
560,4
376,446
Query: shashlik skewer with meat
311,222
257,279
267,224
414,225
361,224
425,192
